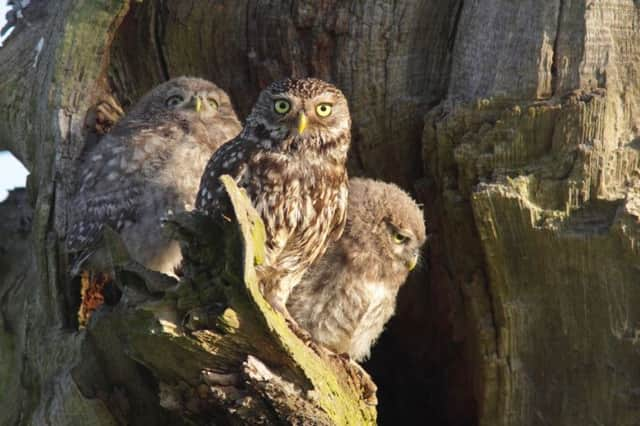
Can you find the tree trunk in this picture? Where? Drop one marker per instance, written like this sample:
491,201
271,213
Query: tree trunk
515,123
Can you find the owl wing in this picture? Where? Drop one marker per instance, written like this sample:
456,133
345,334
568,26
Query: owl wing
109,193
235,158
339,218
230,159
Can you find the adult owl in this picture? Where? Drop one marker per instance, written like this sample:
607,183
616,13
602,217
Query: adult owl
290,158
347,296
147,166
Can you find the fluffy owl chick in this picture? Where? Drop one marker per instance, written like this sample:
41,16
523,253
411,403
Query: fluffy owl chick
148,165
347,296
290,158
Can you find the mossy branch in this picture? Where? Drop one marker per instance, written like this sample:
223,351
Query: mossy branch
215,345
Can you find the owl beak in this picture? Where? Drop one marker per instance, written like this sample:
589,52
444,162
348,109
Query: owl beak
198,104
411,264
302,122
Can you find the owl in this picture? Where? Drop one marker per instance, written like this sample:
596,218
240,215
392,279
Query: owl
347,296
290,158
147,166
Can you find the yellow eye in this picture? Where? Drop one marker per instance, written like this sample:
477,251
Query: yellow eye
323,110
174,100
399,238
281,106
212,103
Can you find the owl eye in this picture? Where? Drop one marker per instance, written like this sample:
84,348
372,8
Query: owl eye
399,238
324,110
212,103
174,100
281,106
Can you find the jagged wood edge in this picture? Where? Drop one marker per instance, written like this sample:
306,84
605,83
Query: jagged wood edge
341,399
245,352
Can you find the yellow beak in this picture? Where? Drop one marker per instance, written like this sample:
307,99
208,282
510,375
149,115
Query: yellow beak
302,122
412,263
198,105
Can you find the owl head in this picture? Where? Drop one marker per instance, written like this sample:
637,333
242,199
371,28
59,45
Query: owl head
185,98
302,112
383,219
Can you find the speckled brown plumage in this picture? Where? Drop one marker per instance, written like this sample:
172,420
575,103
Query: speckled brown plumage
148,165
296,181
347,296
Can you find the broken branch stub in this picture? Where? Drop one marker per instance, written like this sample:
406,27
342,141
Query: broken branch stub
216,347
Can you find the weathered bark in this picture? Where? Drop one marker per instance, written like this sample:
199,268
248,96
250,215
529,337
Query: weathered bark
541,158
526,117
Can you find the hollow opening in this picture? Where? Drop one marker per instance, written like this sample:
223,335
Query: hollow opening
421,363
6,28
14,174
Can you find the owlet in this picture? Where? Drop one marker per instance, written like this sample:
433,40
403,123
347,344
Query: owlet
347,296
147,166
290,157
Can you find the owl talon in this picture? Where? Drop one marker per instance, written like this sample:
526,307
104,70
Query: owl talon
299,331
105,115
345,357
369,388
293,324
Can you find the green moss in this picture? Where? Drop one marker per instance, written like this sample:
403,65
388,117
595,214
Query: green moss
343,404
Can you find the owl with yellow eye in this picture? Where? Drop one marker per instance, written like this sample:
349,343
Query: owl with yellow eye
290,158
347,296
147,166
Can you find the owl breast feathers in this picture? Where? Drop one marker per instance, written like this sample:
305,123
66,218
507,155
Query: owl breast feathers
149,164
290,157
347,296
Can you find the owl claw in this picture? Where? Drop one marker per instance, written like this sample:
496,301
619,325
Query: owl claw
105,115
292,323
368,387
294,326
345,356
299,331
